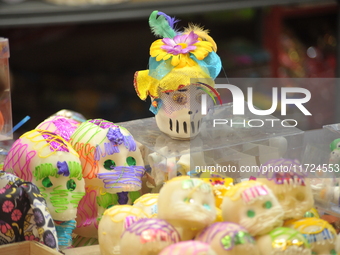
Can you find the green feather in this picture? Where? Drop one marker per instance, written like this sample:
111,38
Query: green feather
160,26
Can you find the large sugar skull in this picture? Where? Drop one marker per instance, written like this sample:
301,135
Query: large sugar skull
48,161
182,67
319,234
283,241
257,208
188,204
111,227
289,185
109,155
112,167
227,238
59,125
188,247
148,237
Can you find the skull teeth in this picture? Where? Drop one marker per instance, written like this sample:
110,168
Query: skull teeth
184,126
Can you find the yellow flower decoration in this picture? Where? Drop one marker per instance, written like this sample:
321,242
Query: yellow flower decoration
180,48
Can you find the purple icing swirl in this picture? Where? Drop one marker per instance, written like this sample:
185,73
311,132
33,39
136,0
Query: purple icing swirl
56,142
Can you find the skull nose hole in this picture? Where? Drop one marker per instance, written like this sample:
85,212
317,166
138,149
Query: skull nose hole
189,112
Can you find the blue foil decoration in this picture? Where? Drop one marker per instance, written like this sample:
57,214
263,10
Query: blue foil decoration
159,69
154,109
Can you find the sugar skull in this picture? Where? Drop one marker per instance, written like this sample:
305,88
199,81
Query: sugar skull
188,247
111,227
182,67
49,162
257,208
59,125
321,236
148,203
289,185
227,238
148,237
188,204
283,241
112,167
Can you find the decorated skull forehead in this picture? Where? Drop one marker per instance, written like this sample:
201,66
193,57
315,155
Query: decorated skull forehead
289,185
258,209
148,236
187,202
51,163
321,236
283,241
109,156
227,238
182,67
59,125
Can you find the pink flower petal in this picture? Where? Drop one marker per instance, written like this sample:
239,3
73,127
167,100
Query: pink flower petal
167,47
192,38
169,41
179,39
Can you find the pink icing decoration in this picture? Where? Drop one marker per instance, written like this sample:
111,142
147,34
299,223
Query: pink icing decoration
89,216
63,127
154,230
21,168
254,192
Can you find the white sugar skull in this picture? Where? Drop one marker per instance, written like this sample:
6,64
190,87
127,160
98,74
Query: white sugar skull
48,161
291,188
147,237
112,167
283,241
111,227
59,125
227,238
188,247
179,112
320,235
257,208
188,204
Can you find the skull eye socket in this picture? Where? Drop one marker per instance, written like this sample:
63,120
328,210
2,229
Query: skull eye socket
267,205
71,185
251,213
131,161
46,182
109,164
180,98
338,145
300,197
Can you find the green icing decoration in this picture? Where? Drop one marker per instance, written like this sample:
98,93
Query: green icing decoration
107,200
134,195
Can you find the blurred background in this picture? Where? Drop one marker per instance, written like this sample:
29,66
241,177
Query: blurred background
79,55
